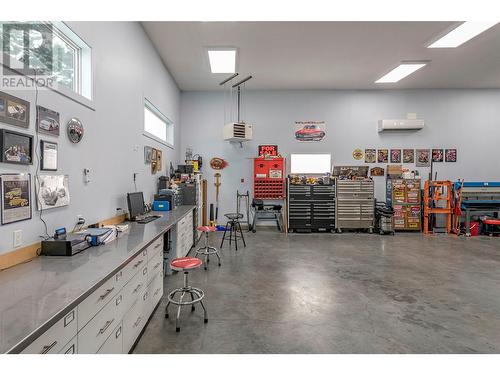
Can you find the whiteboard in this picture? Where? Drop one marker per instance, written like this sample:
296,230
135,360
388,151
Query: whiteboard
310,163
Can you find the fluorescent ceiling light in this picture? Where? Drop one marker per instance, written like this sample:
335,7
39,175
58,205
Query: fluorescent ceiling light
462,34
400,72
222,61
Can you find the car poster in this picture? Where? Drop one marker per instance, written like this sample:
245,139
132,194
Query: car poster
370,155
48,121
16,197
437,155
53,191
423,158
310,131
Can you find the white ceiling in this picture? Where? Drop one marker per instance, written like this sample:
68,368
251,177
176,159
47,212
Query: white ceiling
326,55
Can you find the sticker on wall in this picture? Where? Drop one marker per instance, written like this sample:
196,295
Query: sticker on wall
423,158
408,155
377,171
450,155
218,163
370,155
395,156
310,131
357,154
383,155
437,155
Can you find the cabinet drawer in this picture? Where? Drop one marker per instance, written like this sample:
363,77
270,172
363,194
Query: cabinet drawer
114,343
132,324
71,347
155,247
155,290
100,298
135,265
95,333
134,288
56,337
154,266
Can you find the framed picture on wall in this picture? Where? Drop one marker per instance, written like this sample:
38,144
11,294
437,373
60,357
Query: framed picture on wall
423,158
49,156
47,121
370,155
450,155
396,156
53,191
437,155
14,111
383,155
15,204
408,155
16,147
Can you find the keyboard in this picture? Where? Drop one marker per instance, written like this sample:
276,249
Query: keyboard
148,219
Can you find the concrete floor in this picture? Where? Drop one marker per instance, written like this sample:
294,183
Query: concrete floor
341,293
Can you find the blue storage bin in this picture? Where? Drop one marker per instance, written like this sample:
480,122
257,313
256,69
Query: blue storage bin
161,206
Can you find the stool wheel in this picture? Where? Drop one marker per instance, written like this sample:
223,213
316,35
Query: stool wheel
205,321
208,260
254,231
178,329
219,264
192,308
166,316
206,268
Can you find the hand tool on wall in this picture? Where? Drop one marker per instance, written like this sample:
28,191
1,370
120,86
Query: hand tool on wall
217,189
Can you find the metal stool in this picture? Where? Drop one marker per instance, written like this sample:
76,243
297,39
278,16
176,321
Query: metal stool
234,226
185,264
207,250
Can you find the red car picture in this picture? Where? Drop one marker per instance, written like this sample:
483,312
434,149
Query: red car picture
310,132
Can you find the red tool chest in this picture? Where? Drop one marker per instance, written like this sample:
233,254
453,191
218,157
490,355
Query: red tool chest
269,178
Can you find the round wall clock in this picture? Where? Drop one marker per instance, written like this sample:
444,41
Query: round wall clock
75,130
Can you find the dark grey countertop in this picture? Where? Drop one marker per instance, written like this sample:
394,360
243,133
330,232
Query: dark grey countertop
35,294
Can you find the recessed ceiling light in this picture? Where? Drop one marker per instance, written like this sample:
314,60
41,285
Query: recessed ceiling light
222,60
400,72
462,34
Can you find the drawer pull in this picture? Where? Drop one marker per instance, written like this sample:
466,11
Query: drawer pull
145,270
71,350
47,348
118,332
156,292
138,321
107,293
157,265
138,263
144,253
119,275
157,245
137,288
106,326
145,296
119,300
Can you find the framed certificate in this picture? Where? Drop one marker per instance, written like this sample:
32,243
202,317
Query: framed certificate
49,156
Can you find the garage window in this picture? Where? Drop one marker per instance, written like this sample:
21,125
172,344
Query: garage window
157,126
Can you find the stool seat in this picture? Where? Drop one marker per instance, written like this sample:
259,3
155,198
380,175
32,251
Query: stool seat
206,228
187,263
233,216
491,221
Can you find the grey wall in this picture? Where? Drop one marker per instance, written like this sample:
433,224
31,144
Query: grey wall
127,69
468,120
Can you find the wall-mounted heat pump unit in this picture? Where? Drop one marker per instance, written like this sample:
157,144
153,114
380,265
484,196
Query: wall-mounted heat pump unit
237,132
406,124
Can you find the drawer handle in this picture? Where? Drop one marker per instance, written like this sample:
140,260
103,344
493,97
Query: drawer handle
47,348
119,300
71,350
157,245
106,326
107,293
138,321
119,275
138,264
144,253
157,265
118,332
156,292
145,296
136,289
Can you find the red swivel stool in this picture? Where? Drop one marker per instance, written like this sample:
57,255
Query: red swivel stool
207,250
185,265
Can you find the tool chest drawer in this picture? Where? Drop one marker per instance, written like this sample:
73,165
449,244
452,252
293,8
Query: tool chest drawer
155,247
114,343
56,337
323,192
135,265
134,288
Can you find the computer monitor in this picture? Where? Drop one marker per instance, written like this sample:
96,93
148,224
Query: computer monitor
135,204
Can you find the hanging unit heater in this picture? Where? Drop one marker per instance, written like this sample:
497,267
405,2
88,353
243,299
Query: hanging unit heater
237,132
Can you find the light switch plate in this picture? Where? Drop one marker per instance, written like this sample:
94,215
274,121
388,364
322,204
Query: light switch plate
18,238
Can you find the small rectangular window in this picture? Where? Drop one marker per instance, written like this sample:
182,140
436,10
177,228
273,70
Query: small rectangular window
157,125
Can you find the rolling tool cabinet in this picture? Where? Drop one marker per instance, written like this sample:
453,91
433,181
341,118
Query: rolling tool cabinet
311,207
355,204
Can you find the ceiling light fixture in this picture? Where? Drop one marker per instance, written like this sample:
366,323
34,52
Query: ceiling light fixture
222,60
400,72
461,34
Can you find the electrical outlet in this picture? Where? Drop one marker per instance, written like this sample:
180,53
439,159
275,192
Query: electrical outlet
18,238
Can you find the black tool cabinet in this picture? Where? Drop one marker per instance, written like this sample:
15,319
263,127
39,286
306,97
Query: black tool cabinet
311,207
